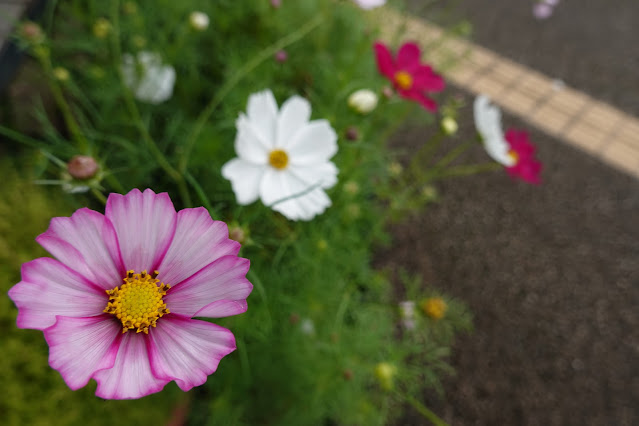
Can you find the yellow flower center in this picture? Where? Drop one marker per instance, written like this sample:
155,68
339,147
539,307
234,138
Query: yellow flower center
278,159
138,302
404,80
514,155
434,307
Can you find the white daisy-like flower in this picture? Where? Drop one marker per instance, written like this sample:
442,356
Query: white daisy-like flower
370,4
199,21
147,77
282,157
488,124
363,101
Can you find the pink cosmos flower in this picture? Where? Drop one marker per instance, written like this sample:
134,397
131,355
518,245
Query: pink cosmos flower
411,79
513,150
526,167
117,304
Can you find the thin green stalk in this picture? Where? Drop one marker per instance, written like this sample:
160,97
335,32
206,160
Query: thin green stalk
469,170
19,137
100,196
235,78
135,113
204,199
423,410
67,115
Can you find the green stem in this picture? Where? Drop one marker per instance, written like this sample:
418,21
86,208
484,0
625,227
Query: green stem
133,109
19,137
100,196
58,96
469,170
235,78
423,410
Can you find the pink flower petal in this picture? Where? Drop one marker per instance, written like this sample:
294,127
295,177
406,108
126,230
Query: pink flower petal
131,376
426,79
78,347
224,279
187,350
223,308
86,242
49,288
384,59
408,56
424,100
145,225
198,241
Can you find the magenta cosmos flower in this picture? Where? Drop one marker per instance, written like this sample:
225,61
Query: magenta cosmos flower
411,79
513,151
118,304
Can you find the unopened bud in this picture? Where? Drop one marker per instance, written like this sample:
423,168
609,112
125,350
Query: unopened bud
385,373
31,32
276,3
82,167
363,101
61,74
281,56
348,374
351,187
449,125
238,234
101,28
352,134
388,92
199,21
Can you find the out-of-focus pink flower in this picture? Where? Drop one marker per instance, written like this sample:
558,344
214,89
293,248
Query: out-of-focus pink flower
281,56
542,10
117,304
276,3
513,151
409,76
526,167
370,4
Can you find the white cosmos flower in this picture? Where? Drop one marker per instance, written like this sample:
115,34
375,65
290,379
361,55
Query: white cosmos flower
282,157
148,78
488,124
369,4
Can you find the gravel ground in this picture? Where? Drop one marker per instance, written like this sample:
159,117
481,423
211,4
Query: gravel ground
551,275
550,272
592,45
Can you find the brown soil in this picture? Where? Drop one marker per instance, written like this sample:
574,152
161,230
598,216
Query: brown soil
551,274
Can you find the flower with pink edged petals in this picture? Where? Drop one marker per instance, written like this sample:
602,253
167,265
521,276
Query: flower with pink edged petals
117,304
412,79
513,151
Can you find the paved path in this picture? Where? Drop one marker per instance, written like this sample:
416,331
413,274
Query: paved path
560,111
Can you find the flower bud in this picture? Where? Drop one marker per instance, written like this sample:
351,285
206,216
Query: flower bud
199,21
407,314
236,233
130,8
281,56
61,74
363,101
449,125
395,169
434,307
384,372
351,187
348,374
388,92
352,134
82,167
101,28
31,32
276,3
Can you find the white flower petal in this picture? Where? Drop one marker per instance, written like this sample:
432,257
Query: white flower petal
294,114
323,174
249,144
312,144
286,193
262,113
245,179
488,124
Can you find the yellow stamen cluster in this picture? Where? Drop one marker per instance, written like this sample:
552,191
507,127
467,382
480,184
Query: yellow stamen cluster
138,303
434,307
514,155
278,159
404,80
